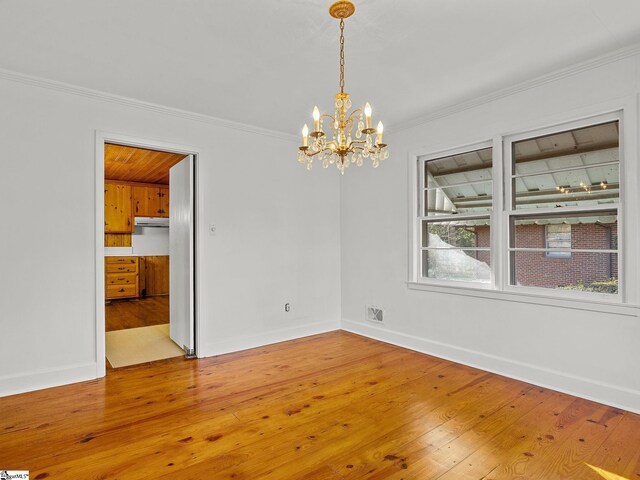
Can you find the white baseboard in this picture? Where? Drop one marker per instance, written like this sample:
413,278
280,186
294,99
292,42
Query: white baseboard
259,340
613,395
46,378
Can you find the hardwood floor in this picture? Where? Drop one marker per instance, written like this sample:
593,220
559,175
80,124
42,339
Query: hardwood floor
331,406
143,312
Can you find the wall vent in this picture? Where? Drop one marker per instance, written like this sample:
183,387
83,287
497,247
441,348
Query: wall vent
375,314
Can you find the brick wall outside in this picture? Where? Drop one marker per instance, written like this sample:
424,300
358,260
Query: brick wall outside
483,240
536,269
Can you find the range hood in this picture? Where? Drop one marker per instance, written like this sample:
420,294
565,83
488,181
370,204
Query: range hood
151,222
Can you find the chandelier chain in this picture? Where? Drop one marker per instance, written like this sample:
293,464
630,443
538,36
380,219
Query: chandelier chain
342,55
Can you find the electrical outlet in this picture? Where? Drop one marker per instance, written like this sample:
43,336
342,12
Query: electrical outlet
287,307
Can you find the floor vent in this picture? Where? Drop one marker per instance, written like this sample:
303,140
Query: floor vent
375,314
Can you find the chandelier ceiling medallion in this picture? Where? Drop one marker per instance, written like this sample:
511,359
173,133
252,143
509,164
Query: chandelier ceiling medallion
342,149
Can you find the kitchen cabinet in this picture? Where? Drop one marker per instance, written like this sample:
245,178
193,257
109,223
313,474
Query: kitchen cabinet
154,275
150,201
117,208
163,193
121,277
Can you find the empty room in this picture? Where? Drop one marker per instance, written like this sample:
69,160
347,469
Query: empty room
309,239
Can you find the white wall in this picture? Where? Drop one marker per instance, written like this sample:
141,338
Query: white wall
284,235
277,234
591,353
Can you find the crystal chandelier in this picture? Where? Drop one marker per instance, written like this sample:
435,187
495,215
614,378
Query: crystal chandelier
342,149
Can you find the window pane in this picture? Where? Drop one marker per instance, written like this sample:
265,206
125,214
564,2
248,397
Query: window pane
595,230
474,233
463,198
458,183
573,168
582,146
596,272
583,187
456,264
478,161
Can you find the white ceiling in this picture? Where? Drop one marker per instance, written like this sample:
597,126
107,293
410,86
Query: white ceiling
267,62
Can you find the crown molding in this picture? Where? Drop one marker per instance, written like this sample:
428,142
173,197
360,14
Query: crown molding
138,104
556,75
575,69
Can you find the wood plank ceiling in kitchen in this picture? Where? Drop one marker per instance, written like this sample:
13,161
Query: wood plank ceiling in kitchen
138,164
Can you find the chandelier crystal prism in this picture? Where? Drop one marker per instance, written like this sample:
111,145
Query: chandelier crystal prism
343,148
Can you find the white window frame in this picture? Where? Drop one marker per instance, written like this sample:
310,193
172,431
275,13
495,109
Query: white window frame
510,211
627,300
419,215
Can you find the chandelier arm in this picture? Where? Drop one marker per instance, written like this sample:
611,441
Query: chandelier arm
354,113
348,125
351,119
326,115
315,153
375,147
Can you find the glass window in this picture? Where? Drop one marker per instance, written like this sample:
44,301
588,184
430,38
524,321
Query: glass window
554,218
565,195
457,201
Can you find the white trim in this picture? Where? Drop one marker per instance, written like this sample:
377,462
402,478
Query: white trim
245,342
564,211
199,254
417,187
101,138
46,378
533,296
608,394
583,121
101,364
497,226
414,205
139,104
452,218
572,70
561,249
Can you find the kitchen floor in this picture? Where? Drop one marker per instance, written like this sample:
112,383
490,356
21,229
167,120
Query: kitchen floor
143,312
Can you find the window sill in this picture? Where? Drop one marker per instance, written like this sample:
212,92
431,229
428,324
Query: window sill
613,306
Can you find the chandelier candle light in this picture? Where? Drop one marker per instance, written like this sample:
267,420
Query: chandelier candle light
342,149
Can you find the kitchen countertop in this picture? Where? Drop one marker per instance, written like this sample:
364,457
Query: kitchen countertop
128,252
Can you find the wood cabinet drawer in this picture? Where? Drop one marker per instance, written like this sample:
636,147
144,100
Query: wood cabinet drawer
122,291
117,268
122,279
121,260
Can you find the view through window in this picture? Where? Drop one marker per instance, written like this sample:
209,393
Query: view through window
456,213
564,205
559,208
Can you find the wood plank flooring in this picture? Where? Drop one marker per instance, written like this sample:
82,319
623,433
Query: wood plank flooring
143,312
332,406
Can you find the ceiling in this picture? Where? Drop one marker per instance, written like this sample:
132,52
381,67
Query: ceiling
267,62
138,164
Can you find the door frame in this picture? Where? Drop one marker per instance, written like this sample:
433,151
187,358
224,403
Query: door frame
101,138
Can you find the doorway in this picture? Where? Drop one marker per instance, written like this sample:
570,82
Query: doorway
145,290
